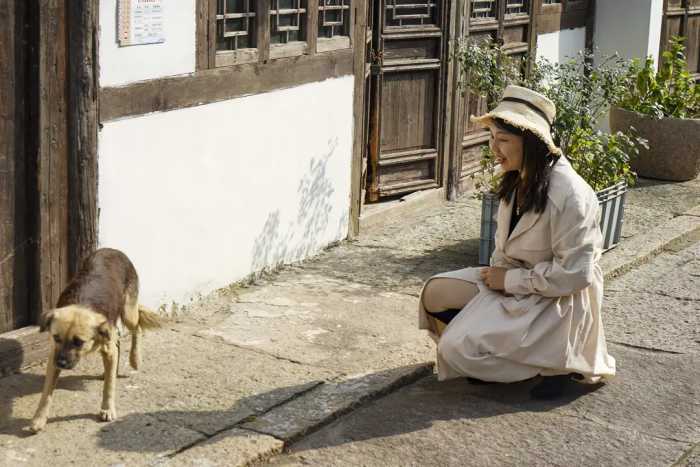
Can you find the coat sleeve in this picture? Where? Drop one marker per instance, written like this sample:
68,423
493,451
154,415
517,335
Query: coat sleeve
576,242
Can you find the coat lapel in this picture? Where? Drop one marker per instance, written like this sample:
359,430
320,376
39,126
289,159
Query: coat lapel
505,211
526,222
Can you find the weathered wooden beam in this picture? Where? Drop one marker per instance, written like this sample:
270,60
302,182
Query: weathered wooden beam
52,165
219,84
359,16
8,134
83,53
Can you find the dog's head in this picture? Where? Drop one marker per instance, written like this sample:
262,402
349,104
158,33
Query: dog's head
75,331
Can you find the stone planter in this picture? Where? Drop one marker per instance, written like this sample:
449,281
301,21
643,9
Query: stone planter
612,207
674,145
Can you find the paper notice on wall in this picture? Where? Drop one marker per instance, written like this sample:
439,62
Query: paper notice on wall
140,22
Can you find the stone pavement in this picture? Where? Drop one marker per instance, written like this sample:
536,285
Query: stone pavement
246,372
649,415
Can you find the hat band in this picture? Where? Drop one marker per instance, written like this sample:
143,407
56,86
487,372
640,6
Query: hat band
531,106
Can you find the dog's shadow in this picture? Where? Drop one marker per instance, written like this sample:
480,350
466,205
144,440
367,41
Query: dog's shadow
19,385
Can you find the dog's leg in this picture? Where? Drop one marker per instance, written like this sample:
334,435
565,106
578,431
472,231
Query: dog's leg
42,412
131,321
135,354
109,358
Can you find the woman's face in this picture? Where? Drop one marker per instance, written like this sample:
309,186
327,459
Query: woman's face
507,147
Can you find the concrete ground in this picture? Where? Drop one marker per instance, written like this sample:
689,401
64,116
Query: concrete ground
246,372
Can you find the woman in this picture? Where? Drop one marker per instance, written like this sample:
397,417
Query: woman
536,310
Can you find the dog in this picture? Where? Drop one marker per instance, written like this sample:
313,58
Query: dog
103,292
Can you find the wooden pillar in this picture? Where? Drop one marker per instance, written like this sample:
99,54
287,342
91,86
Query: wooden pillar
83,71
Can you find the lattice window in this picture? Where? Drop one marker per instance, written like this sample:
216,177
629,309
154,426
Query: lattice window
516,7
483,10
287,21
235,24
333,18
411,13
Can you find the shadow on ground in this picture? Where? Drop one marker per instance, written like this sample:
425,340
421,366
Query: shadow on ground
420,406
24,384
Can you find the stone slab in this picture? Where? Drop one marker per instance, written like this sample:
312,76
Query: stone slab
640,248
341,326
317,407
232,448
188,389
433,423
654,393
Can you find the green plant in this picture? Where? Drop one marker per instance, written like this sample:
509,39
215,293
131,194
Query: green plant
489,177
602,159
582,94
670,92
487,69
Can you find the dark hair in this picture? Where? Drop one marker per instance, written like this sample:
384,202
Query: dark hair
534,174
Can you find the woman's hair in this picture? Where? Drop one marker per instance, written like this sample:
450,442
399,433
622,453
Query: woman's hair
534,174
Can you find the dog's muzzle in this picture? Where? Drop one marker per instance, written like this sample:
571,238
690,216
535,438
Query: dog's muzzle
65,364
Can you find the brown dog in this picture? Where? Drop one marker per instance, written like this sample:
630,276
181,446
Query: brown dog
103,292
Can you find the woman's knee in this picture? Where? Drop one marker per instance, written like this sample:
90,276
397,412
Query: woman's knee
444,293
432,296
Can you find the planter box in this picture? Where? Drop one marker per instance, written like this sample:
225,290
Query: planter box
612,207
673,144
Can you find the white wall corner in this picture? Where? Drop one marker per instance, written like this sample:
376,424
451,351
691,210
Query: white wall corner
656,16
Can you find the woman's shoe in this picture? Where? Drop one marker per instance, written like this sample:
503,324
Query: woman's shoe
551,387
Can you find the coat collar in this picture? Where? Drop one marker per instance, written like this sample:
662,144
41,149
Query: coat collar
530,218
526,222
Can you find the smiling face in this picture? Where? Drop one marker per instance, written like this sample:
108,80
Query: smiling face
507,147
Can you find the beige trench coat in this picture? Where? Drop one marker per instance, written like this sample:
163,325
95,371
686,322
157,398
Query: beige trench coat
548,321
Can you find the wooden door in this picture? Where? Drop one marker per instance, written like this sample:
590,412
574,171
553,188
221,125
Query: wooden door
405,125
509,22
35,143
682,18
16,245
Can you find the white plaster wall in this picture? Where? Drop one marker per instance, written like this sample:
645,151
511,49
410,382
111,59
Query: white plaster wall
123,65
656,11
559,46
631,28
201,197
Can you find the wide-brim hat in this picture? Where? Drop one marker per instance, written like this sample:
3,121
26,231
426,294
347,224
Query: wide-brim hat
525,109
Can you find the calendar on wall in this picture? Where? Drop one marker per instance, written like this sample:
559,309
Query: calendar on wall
140,22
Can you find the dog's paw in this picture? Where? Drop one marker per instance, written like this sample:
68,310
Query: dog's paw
37,425
135,360
107,415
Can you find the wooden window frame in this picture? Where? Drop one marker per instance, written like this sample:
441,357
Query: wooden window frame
209,57
327,44
568,14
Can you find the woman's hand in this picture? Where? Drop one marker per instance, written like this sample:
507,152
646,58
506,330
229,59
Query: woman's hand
494,278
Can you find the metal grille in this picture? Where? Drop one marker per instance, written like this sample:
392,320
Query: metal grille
516,7
235,24
333,18
483,9
411,13
287,18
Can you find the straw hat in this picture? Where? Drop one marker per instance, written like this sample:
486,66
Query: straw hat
525,109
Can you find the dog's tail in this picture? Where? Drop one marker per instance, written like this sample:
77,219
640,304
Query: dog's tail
148,319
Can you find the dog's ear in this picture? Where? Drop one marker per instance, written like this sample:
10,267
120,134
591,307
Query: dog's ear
104,331
45,319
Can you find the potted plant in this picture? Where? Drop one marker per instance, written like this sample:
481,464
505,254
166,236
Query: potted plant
582,94
664,107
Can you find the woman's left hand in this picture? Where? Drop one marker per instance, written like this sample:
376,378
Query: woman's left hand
494,278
